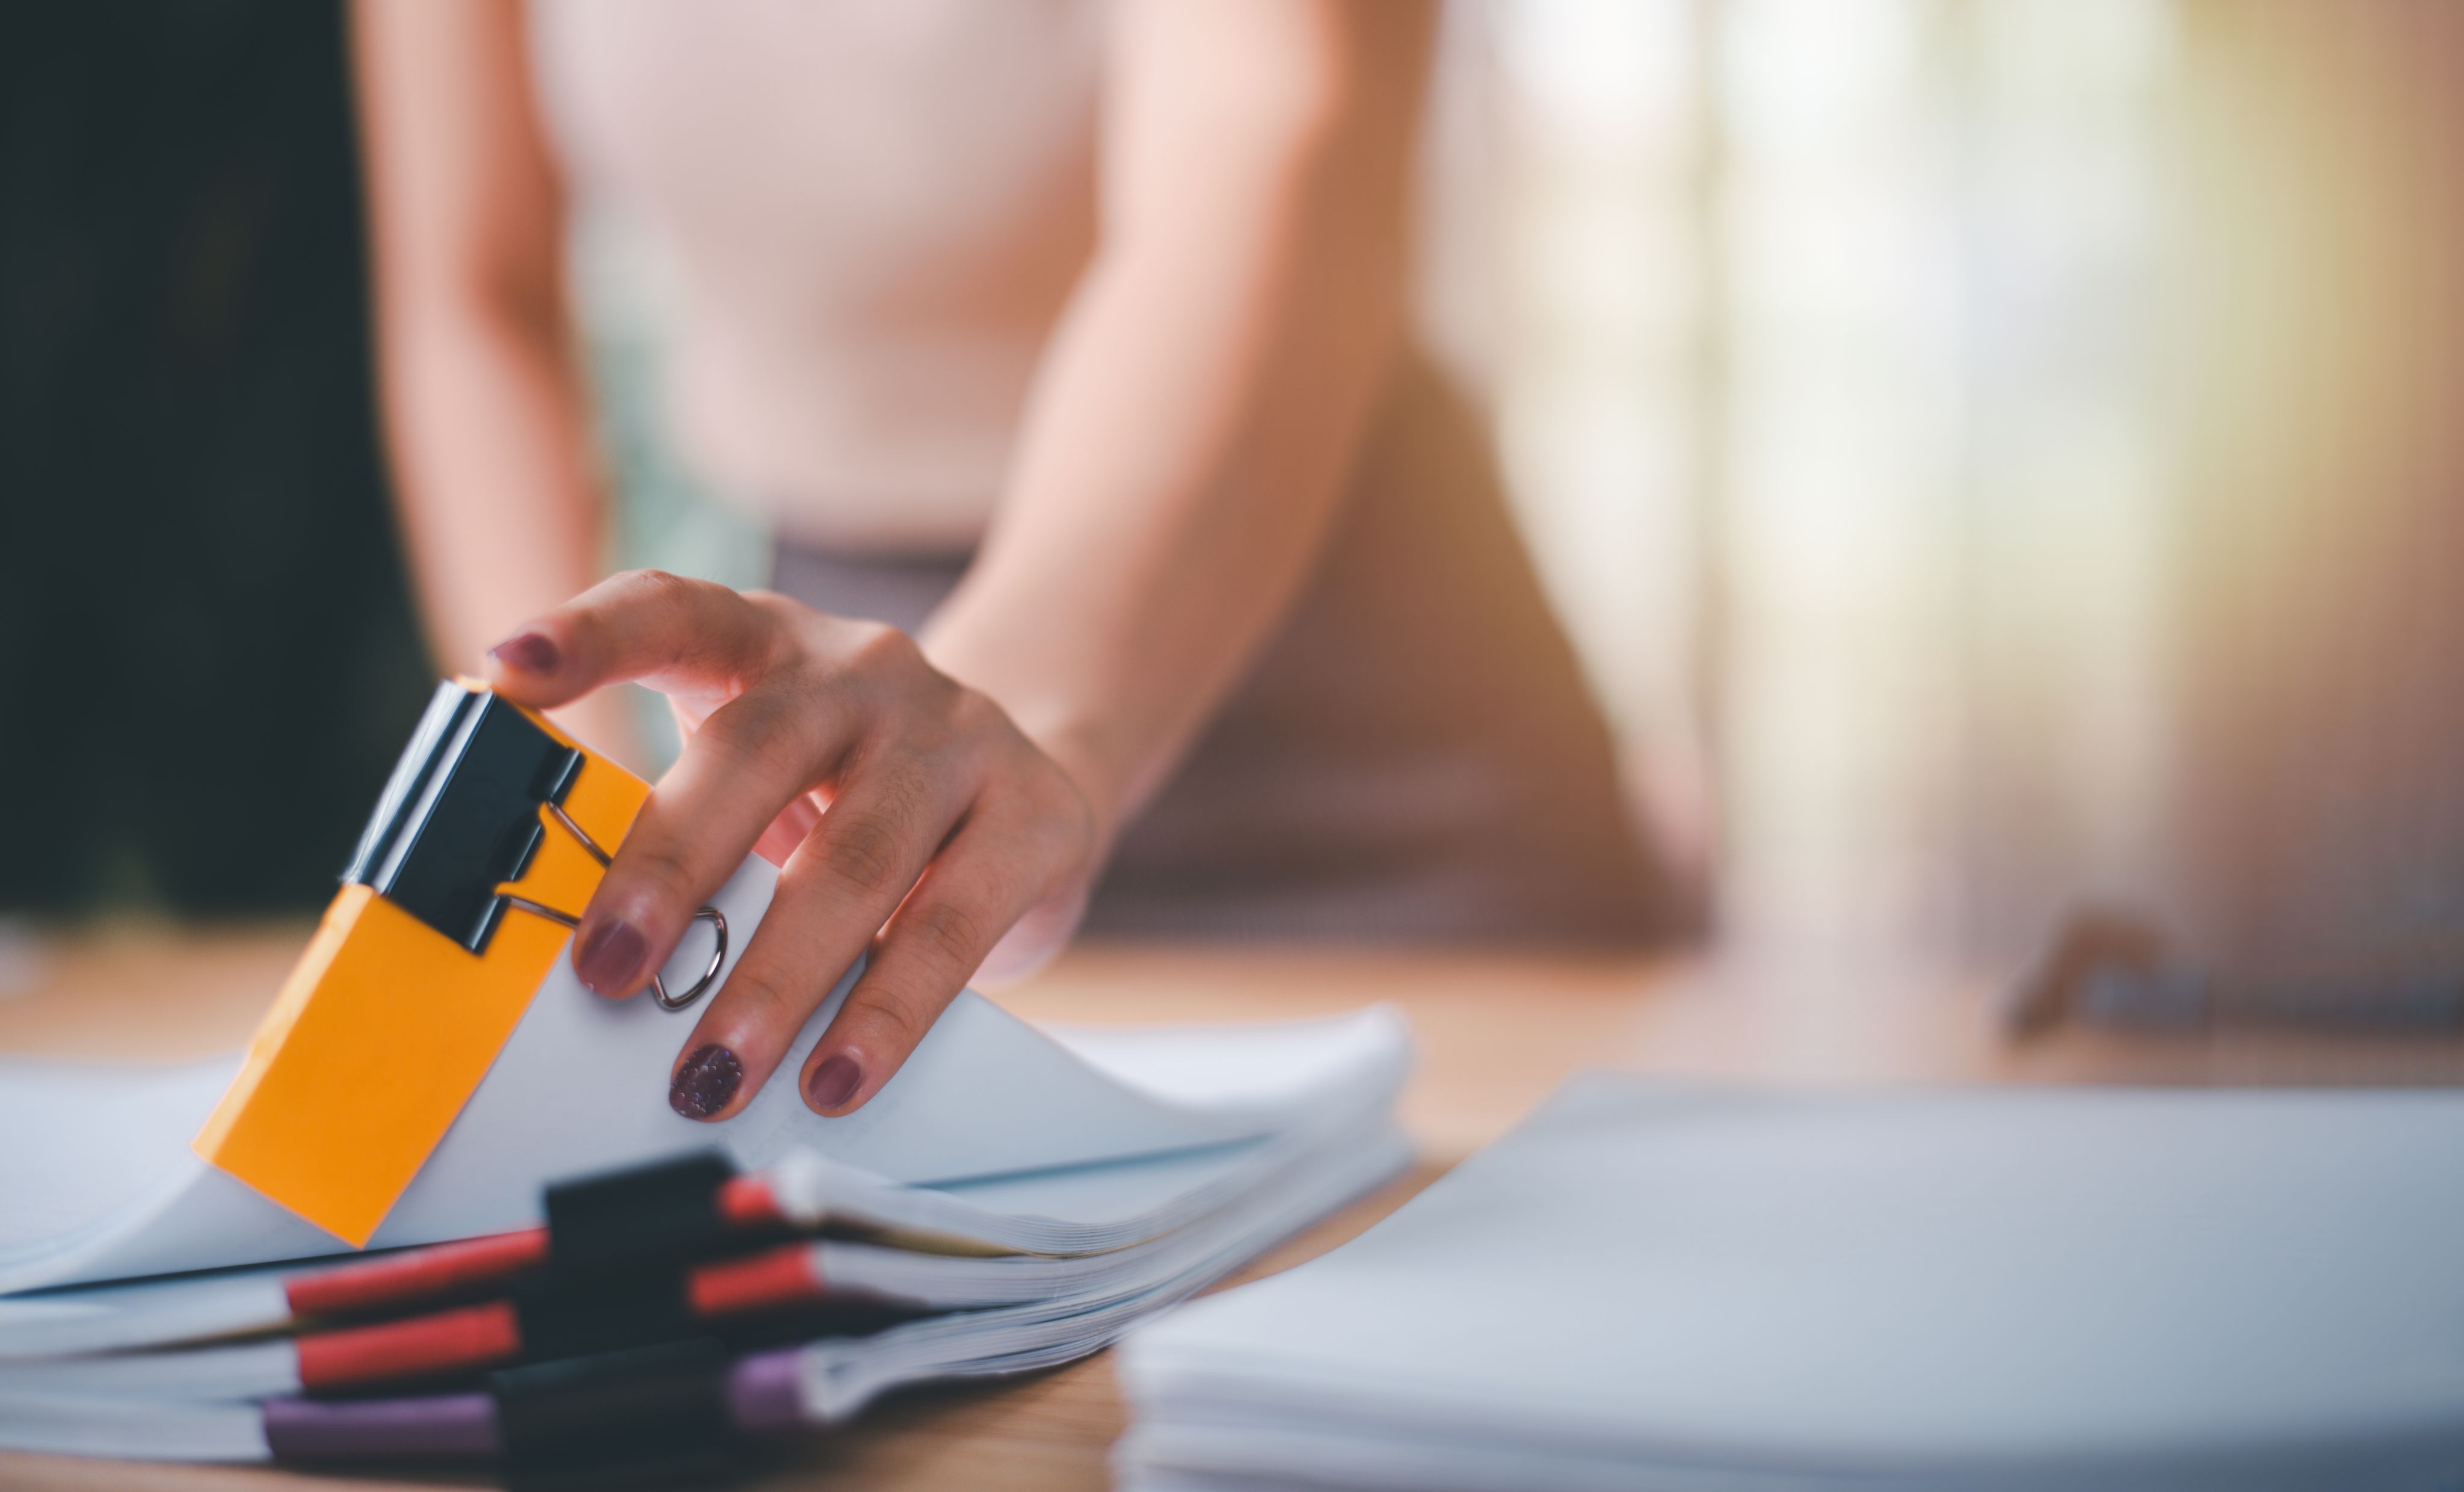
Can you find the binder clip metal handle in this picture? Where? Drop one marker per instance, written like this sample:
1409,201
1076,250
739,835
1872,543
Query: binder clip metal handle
716,919
459,823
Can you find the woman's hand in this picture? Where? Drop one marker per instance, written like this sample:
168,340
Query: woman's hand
911,817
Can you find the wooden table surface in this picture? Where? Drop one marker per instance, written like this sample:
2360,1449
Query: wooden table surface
1496,1031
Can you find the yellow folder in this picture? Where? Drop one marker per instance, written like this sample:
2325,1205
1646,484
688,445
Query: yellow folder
456,907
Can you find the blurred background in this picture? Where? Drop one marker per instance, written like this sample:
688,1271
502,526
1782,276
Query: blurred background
1995,456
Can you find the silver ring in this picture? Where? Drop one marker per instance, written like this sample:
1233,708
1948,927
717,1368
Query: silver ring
718,921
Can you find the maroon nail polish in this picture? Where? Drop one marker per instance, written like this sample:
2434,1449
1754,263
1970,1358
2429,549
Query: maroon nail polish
834,1082
532,652
703,1086
610,956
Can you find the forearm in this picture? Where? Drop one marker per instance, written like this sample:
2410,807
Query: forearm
492,474
1197,413
498,503
484,416
1171,496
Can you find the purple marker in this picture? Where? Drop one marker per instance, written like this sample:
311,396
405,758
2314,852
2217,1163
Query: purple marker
763,1394
762,1397
444,1426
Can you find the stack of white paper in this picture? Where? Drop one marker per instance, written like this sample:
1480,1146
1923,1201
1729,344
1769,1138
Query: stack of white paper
102,1185
1660,1287
1038,1191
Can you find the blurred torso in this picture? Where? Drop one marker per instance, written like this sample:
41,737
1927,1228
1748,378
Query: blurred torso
872,213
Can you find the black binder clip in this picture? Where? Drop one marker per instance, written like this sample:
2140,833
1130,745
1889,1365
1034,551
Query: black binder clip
624,1387
618,1246
642,1416
460,819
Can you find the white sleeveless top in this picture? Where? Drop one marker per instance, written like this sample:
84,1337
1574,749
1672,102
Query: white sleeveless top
871,211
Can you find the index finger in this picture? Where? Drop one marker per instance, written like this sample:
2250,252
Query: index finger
760,752
674,634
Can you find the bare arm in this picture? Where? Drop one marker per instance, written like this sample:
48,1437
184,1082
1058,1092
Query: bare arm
1182,458
1196,415
483,413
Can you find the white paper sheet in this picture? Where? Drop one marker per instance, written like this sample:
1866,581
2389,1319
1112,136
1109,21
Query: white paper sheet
582,1087
2031,1287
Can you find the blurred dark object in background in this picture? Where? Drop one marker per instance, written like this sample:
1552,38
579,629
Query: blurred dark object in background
2114,969
208,660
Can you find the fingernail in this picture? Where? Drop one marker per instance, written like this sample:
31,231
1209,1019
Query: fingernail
609,957
705,1083
532,652
834,1082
